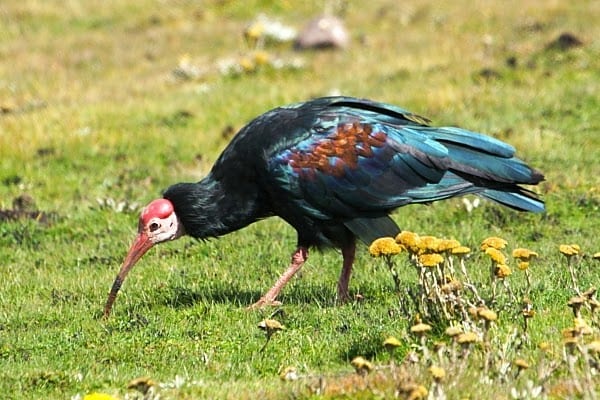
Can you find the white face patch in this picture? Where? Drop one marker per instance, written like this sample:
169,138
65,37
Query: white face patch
161,230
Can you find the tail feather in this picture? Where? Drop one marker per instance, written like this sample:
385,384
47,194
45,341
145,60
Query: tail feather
523,200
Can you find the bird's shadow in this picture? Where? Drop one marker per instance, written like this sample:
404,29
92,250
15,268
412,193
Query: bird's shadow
179,297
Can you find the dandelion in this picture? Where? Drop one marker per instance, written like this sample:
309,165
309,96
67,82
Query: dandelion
493,242
362,366
385,246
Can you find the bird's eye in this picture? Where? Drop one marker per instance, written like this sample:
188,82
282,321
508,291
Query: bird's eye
154,226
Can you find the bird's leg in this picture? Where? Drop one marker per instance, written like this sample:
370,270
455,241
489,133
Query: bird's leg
348,256
298,259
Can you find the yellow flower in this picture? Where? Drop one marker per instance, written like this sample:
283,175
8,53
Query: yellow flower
361,365
467,338
524,254
261,57
521,364
429,244
596,256
270,326
391,343
409,240
419,392
384,246
430,260
247,64
420,328
453,331
569,250
99,396
494,242
544,346
461,251
487,314
496,255
502,271
438,373
447,245
523,265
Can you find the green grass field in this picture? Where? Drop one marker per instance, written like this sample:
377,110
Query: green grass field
97,117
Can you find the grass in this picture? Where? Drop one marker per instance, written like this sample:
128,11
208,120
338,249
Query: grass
94,125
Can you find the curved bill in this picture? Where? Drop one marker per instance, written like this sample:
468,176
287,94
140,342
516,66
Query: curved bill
139,247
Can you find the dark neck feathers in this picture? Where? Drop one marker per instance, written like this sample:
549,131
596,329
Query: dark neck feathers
211,208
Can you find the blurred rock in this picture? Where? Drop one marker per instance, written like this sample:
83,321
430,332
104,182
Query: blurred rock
325,31
564,42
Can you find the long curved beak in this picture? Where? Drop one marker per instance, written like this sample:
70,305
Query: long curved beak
138,248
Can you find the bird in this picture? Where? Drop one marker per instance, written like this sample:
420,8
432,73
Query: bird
333,168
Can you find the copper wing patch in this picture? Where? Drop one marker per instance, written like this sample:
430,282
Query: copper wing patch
332,154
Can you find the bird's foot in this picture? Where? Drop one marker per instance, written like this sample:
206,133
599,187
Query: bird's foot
343,298
264,302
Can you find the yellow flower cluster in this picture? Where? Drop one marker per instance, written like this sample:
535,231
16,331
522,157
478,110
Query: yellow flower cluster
494,242
569,250
495,255
409,240
430,259
502,271
385,246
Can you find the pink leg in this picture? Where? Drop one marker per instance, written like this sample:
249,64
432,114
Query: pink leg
298,259
342,289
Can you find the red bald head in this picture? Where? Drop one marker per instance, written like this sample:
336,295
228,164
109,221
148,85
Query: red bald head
158,223
159,208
